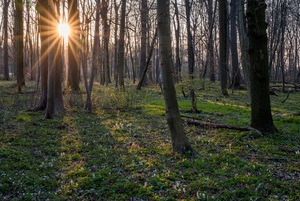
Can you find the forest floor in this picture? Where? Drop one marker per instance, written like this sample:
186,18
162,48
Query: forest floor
122,150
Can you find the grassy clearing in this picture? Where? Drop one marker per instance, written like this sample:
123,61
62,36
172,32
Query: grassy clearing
122,150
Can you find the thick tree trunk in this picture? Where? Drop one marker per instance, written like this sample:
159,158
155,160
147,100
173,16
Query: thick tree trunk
180,142
223,45
73,45
261,117
54,99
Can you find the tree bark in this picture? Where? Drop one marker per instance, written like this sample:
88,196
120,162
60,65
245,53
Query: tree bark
143,51
191,55
95,63
236,74
43,31
139,86
106,33
177,72
5,45
244,43
210,61
180,142
116,8
73,45
19,44
223,45
121,46
54,99
261,117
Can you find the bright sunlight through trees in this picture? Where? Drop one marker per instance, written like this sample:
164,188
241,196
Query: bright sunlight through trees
63,30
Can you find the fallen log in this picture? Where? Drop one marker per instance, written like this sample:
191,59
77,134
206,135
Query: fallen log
212,125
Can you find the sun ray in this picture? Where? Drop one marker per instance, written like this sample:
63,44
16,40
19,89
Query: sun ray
63,30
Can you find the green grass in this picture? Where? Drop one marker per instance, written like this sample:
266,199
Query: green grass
122,150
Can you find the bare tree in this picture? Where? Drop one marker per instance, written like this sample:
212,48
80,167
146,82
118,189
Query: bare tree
191,55
261,117
244,43
54,97
180,142
236,74
121,45
19,44
106,34
143,51
73,45
42,7
5,45
223,45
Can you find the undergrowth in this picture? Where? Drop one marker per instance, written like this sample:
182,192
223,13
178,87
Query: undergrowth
122,150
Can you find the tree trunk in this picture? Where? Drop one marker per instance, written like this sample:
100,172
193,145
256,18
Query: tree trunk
180,142
177,72
223,45
54,99
73,45
282,43
116,8
19,44
191,55
5,45
244,43
43,31
95,63
210,47
106,32
143,51
121,46
139,86
261,117
236,75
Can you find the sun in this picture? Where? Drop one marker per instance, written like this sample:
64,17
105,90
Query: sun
63,30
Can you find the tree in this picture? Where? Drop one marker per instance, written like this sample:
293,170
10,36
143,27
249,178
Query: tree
244,43
116,29
73,45
106,33
177,71
19,44
210,45
143,51
223,45
180,142
42,7
5,45
121,45
54,96
236,74
95,63
261,117
191,55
